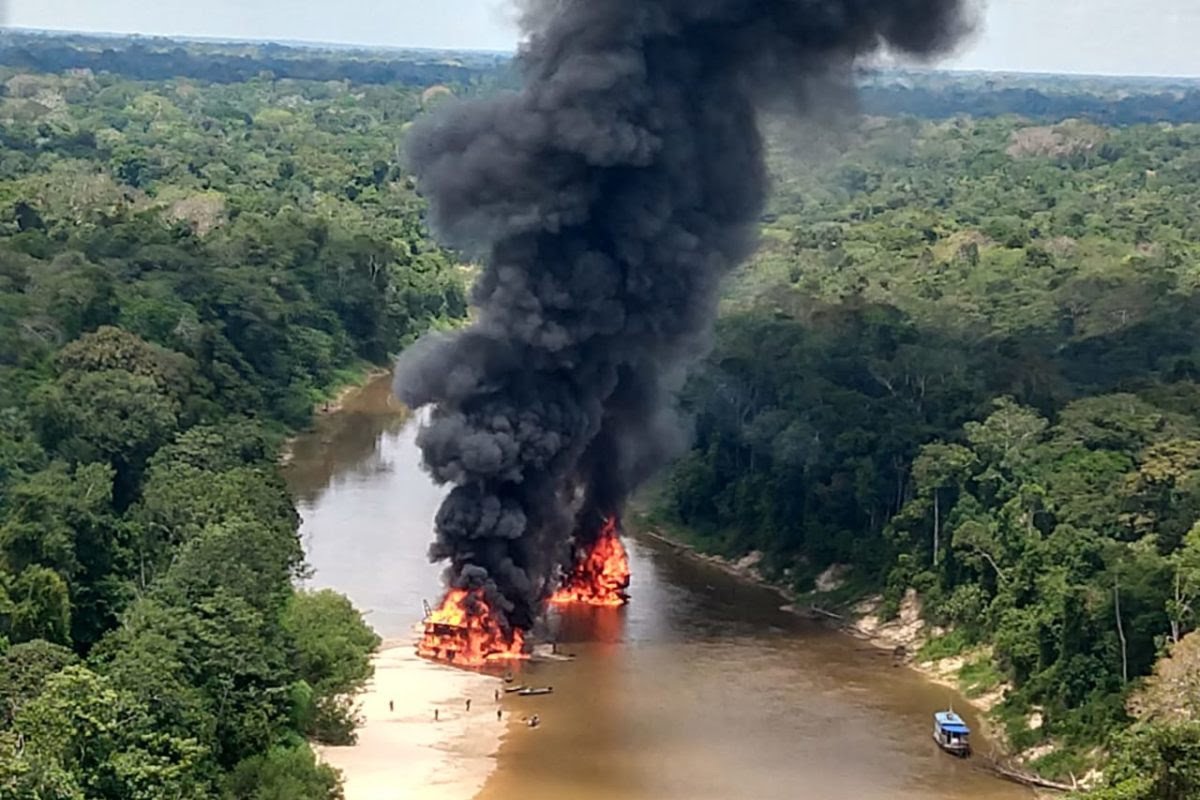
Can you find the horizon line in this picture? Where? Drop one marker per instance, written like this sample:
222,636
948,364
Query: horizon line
315,44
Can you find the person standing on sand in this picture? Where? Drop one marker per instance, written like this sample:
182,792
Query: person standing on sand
499,715
497,695
391,706
468,704
435,715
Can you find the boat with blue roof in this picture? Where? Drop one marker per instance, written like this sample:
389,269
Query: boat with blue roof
952,734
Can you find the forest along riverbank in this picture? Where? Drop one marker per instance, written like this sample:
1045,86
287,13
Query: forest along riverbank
366,509
700,688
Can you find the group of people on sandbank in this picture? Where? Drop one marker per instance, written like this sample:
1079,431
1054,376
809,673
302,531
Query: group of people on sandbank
532,721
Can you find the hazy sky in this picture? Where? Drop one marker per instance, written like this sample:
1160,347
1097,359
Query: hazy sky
1146,37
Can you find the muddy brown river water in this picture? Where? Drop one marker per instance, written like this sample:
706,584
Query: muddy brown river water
700,689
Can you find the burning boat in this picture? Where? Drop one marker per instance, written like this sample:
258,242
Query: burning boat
600,574
463,631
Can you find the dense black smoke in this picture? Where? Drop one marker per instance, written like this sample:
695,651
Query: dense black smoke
605,200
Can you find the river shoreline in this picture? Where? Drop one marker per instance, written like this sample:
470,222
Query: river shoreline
347,390
902,638
341,395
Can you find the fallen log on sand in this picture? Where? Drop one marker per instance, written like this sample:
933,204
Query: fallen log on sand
827,614
1028,778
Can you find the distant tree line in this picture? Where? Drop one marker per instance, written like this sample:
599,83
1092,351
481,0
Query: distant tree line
945,102
937,95
145,63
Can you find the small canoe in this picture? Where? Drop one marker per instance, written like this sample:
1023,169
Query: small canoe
529,692
511,689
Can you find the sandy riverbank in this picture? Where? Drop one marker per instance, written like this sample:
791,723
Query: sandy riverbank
901,636
402,753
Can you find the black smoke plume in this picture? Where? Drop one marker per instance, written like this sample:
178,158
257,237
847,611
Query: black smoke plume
605,200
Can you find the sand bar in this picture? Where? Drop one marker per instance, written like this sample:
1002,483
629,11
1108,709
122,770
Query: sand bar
402,753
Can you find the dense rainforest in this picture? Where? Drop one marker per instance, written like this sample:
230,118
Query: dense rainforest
1044,98
160,59
965,363
186,268
888,92
962,368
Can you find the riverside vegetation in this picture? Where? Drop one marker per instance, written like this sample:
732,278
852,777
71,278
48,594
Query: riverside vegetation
185,269
964,362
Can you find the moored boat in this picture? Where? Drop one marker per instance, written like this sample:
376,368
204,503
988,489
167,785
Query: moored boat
952,734
527,692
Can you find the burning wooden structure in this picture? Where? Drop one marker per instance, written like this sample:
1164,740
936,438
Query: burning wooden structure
600,575
463,631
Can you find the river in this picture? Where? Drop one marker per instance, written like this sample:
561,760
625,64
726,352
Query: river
701,688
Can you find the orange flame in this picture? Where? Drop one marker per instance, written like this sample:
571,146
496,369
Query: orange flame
601,575
465,632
